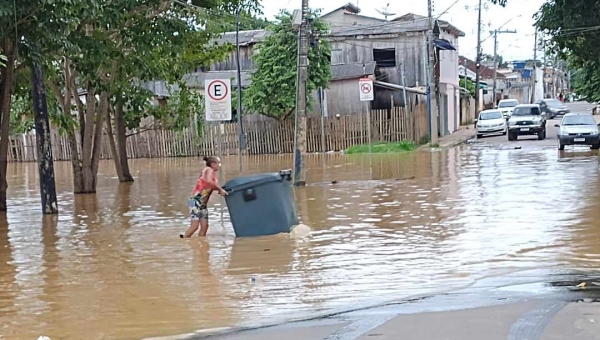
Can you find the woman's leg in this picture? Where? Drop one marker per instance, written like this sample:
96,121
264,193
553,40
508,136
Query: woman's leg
203,227
192,229
203,222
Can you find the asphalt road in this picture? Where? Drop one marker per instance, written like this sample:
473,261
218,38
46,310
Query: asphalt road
532,141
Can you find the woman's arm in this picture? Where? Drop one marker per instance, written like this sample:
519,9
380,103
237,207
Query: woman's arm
208,178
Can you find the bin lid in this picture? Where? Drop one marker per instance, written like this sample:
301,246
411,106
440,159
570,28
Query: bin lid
251,181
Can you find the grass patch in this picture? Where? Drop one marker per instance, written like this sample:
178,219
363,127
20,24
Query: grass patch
383,147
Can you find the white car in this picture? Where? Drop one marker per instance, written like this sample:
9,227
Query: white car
490,122
507,107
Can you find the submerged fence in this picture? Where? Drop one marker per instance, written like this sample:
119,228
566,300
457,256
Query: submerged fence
262,137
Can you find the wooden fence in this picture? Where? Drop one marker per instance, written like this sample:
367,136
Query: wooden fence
262,137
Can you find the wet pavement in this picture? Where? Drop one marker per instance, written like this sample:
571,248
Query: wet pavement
393,227
551,140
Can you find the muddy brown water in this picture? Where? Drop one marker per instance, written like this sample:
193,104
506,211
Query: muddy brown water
111,265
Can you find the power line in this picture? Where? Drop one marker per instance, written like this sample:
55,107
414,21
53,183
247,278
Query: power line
449,8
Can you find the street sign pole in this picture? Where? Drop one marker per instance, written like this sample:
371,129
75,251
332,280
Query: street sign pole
365,86
217,98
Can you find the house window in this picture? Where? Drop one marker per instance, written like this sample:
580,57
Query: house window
337,58
385,57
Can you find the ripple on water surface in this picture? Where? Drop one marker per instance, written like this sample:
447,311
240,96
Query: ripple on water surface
111,265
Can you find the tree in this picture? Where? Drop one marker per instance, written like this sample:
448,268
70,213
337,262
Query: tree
570,28
26,31
129,42
249,21
273,89
499,59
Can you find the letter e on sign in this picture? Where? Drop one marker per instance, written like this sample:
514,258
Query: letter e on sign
217,99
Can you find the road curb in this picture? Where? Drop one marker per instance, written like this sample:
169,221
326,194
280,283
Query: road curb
459,142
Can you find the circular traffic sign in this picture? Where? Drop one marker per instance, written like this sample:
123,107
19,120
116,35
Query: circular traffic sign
365,88
217,90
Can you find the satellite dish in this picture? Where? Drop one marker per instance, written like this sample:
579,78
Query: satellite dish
385,11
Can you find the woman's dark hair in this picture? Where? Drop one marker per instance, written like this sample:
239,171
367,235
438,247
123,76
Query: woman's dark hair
210,160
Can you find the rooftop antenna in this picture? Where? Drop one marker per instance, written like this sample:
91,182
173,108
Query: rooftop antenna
385,11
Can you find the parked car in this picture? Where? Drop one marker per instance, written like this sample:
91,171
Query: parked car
527,120
490,122
507,106
578,129
553,108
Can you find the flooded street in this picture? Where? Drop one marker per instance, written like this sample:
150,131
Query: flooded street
111,265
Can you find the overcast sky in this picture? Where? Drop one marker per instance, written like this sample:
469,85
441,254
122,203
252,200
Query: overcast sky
462,14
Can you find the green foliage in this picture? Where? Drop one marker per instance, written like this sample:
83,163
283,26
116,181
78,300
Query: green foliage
183,108
381,147
273,88
469,85
570,28
248,21
499,59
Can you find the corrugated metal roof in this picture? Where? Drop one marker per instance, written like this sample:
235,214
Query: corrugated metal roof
246,37
404,24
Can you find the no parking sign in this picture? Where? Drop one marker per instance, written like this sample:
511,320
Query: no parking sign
218,100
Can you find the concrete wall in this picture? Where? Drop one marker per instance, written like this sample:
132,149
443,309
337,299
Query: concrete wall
449,62
467,110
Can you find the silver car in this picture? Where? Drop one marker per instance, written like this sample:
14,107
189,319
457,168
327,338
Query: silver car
578,129
527,119
507,106
490,122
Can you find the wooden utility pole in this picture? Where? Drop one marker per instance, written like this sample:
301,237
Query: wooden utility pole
495,33
302,79
433,91
534,76
43,142
478,63
241,140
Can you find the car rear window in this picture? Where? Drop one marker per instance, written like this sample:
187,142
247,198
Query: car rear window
527,111
579,120
510,103
490,115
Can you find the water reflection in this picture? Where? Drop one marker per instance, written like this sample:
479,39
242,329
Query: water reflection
383,228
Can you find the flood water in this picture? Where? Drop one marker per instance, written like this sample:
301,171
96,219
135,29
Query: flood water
111,265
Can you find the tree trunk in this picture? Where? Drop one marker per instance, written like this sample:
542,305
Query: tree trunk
93,143
113,149
6,89
87,143
121,132
99,131
43,142
70,92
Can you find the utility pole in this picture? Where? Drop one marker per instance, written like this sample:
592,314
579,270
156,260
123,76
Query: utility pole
43,141
242,140
478,62
302,78
495,33
534,77
432,91
544,71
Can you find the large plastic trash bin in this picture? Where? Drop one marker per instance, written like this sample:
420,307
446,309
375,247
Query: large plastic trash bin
261,204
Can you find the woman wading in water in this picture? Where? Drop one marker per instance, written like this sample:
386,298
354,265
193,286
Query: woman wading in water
198,202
